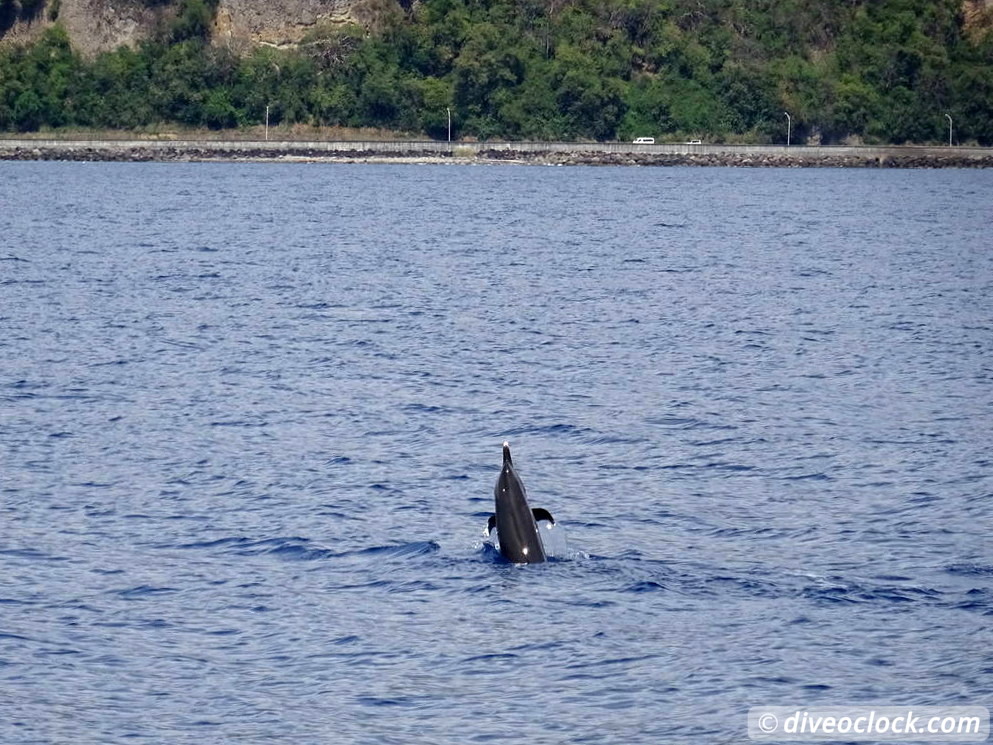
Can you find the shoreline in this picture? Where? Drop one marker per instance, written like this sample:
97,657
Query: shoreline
504,153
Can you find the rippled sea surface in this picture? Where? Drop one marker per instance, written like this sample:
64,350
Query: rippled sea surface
251,417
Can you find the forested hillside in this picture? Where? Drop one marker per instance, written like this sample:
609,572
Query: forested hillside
879,71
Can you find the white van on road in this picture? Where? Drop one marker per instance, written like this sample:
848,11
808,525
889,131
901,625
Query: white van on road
643,141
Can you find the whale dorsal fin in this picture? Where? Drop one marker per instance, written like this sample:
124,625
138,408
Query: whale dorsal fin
490,524
506,454
540,513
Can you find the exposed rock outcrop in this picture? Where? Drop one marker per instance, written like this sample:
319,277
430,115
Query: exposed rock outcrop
96,26
278,23
978,17
93,25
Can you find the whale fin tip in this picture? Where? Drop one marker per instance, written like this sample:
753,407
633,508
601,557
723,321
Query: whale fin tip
540,513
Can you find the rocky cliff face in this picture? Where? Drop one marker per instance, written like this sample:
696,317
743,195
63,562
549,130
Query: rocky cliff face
100,25
978,16
93,25
279,23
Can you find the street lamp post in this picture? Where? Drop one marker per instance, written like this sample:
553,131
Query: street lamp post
449,125
789,127
267,123
949,118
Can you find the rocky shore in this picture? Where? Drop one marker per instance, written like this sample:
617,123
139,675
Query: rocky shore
184,153
483,153
744,160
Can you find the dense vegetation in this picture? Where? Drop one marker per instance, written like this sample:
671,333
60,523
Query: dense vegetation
879,70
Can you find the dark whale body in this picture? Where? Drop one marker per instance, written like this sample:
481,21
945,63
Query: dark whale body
515,521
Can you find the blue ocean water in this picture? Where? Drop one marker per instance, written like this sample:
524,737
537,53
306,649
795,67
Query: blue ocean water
251,417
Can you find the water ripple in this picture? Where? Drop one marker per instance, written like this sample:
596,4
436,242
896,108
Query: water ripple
251,426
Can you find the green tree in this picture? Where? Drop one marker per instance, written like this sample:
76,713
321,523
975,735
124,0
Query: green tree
218,111
591,103
29,111
647,112
748,96
436,98
856,106
485,72
973,91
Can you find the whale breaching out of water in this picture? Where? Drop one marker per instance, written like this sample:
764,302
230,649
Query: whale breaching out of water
515,521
